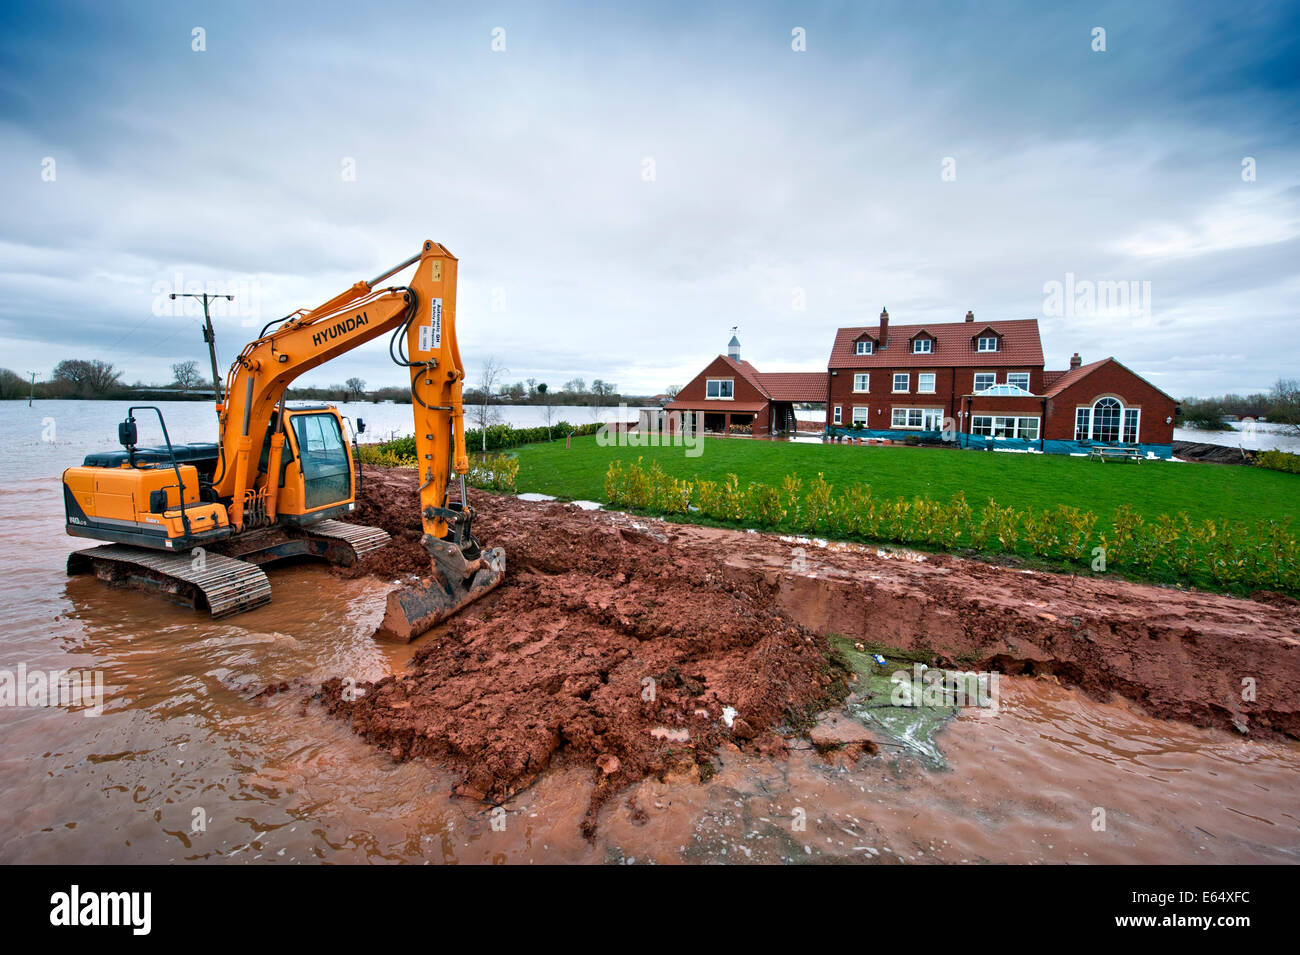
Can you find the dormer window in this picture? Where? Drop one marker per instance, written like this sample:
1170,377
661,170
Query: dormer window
986,343
923,346
864,347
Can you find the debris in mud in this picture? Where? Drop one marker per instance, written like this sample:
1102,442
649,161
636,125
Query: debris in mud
605,646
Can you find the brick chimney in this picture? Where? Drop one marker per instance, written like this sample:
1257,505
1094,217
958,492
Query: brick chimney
1075,361
884,327
970,316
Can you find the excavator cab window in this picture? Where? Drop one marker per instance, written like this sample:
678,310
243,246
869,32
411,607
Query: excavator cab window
326,464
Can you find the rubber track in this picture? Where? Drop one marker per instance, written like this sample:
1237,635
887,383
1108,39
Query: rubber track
362,539
228,585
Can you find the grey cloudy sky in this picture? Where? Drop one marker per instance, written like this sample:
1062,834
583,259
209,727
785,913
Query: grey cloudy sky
792,191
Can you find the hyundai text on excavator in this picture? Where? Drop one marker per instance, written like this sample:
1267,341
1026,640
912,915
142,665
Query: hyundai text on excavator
196,522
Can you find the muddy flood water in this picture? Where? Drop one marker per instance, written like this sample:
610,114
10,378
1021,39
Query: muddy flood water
182,740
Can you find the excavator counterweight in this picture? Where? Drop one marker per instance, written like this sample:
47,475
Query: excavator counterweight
195,522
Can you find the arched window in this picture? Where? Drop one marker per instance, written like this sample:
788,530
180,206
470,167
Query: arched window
1107,414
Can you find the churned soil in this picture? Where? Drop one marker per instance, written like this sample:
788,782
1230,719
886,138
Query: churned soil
605,646
625,644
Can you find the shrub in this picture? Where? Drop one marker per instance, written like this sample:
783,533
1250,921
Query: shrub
1278,461
495,472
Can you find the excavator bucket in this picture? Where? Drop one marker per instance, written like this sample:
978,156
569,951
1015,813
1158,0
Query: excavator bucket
456,583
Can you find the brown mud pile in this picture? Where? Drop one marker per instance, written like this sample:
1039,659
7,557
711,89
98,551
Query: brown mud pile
604,647
551,667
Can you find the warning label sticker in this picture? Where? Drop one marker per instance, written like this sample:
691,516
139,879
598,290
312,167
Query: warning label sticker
431,334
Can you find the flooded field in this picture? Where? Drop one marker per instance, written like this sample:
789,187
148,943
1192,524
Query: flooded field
190,762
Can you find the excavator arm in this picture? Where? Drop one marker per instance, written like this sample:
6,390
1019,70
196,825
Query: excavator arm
420,319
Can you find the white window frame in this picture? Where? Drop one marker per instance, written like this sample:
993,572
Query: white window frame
934,416
1019,376
1083,423
1137,425
920,382
986,424
866,376
984,340
975,382
866,415
709,382
907,383
1089,411
927,350
863,348
838,416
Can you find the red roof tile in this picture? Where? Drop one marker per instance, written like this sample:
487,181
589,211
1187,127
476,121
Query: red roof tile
748,372
1070,377
794,385
1051,377
1074,374
953,347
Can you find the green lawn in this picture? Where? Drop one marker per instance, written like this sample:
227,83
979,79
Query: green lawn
1236,493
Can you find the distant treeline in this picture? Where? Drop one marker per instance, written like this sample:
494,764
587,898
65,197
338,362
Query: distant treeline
1281,405
76,378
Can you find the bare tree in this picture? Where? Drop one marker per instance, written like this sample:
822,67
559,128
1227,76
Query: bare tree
548,406
355,386
671,391
484,414
87,377
187,375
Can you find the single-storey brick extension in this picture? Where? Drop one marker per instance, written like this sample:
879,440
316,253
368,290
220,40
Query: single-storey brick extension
980,384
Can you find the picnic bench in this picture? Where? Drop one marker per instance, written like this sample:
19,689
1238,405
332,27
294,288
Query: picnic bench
1122,454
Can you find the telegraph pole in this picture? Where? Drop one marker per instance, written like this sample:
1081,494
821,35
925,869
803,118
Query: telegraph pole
209,335
33,390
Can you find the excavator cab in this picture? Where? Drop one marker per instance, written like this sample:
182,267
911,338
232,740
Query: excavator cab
316,478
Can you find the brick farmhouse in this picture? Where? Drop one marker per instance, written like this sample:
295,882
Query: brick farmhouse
979,384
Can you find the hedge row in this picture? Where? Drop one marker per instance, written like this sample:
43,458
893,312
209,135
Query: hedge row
499,436
1236,556
1278,461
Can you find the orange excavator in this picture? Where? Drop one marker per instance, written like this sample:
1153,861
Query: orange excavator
197,522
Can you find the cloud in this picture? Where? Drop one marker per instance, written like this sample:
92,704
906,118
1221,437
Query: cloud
780,179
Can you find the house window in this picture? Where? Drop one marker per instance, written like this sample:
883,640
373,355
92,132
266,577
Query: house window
721,388
860,415
922,346
1018,378
925,383
918,419
985,379
1106,415
1107,420
864,348
839,418
902,381
1000,426
986,343
862,383
1131,425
